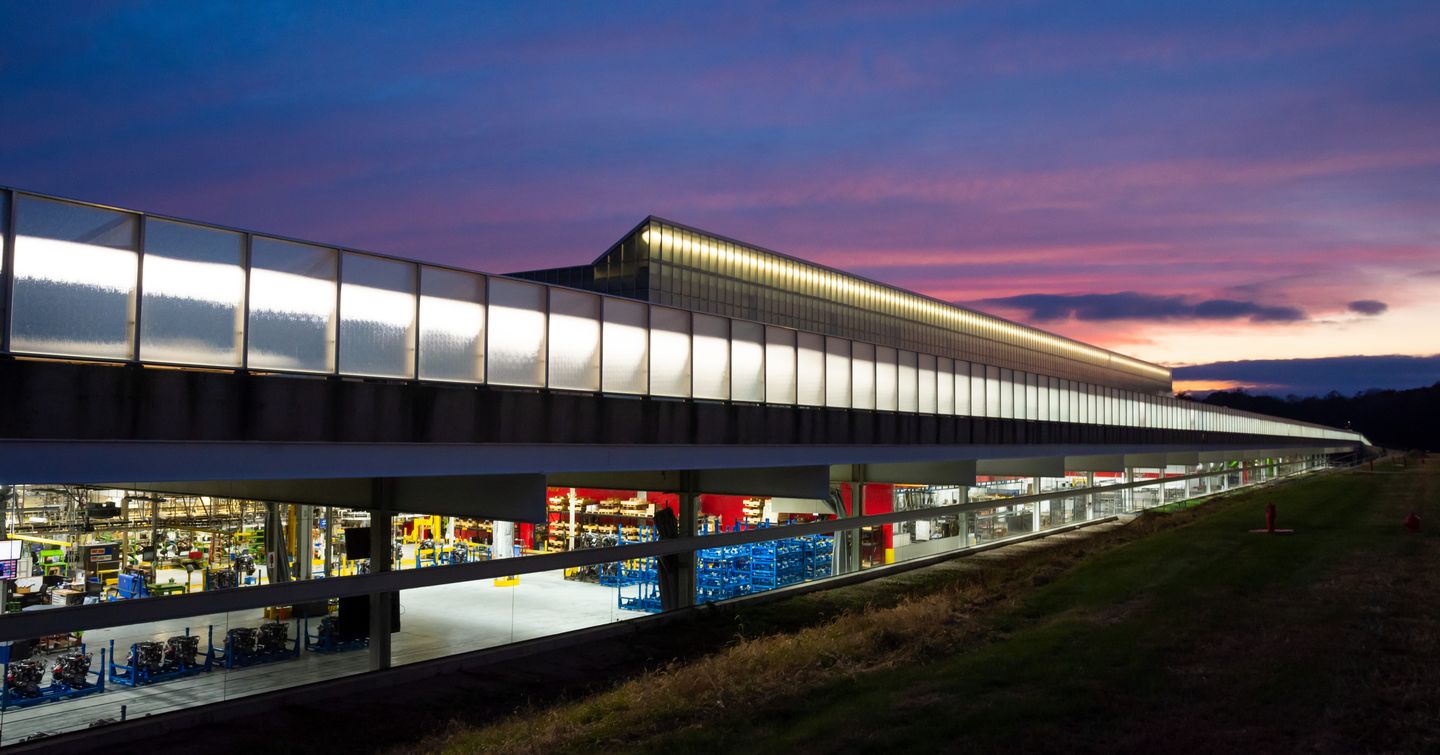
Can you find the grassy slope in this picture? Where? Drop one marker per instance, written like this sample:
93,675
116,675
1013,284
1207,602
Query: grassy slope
1198,636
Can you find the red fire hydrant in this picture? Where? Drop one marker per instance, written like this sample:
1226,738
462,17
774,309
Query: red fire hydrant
1412,522
1270,518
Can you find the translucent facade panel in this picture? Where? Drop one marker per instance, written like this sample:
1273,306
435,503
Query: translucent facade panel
1067,401
979,390
887,379
926,390
810,369
75,273
193,306
992,391
712,356
1007,394
909,381
669,352
377,316
838,373
574,340
515,350
862,374
452,325
625,347
747,361
1055,396
963,400
779,365
1032,396
944,386
292,306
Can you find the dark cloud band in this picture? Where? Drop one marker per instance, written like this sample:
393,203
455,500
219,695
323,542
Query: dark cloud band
1132,305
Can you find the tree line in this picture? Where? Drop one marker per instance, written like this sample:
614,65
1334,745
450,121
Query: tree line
1395,419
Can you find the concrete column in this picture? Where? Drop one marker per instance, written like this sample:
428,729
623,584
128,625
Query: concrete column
1035,507
689,517
963,519
381,603
1090,497
304,541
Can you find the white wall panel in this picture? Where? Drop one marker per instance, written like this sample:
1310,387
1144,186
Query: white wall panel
908,381
887,379
747,361
838,373
574,340
712,356
925,392
809,369
669,352
515,354
862,374
779,365
452,325
625,347
944,386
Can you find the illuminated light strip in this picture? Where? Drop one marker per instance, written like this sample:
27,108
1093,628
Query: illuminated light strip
914,303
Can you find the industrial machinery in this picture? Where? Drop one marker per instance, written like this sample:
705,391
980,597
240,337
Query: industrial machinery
129,586
460,553
328,638
248,646
244,564
221,579
70,677
426,553
71,669
149,662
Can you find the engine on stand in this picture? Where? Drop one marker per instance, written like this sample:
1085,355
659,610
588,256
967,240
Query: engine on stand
245,563
71,669
460,554
182,651
240,642
273,638
22,678
223,579
147,657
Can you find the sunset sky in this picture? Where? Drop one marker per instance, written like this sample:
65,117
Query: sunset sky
1188,183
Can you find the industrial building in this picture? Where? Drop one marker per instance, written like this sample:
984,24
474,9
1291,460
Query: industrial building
232,464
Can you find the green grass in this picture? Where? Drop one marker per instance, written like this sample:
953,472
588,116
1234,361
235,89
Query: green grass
1184,631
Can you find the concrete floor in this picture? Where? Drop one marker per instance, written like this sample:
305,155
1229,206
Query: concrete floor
435,621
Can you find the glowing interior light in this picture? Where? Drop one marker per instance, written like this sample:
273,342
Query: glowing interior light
74,263
366,303
291,294
213,282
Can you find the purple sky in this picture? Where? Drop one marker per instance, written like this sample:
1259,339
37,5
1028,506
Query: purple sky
1189,183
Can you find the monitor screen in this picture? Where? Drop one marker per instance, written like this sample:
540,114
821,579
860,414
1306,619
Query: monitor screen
9,550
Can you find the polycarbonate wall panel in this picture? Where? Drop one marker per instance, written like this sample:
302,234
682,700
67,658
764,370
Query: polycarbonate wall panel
377,316
574,340
925,391
75,273
292,306
193,307
944,386
669,352
887,379
1006,383
1067,401
810,369
862,375
963,400
515,350
909,381
712,356
452,325
992,391
747,361
979,390
779,365
838,373
626,348
1032,396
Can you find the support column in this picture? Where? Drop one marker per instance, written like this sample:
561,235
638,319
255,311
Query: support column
381,603
1090,496
689,517
304,541
1035,507
963,518
328,546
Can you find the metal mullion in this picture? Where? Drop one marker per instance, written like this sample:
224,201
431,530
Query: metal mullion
139,285
245,324
485,337
8,282
339,287
415,329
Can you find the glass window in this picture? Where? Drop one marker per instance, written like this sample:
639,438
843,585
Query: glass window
292,306
574,340
452,325
779,365
712,357
669,352
747,361
516,349
625,353
377,316
193,308
75,274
